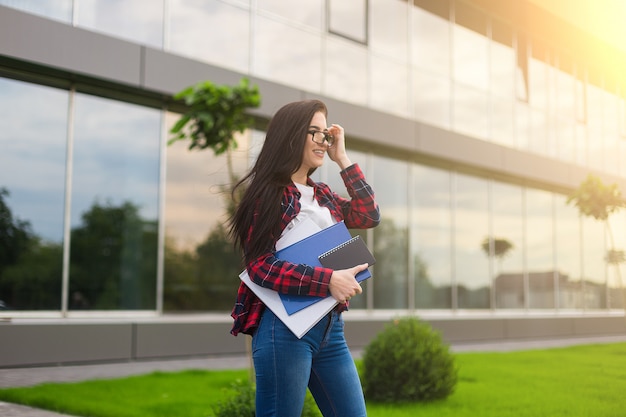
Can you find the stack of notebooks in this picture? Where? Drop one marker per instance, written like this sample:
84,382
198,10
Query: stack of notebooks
332,248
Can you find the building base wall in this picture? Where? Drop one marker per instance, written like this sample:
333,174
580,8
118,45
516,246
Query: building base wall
31,343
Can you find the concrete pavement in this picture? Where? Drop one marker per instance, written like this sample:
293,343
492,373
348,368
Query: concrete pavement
21,377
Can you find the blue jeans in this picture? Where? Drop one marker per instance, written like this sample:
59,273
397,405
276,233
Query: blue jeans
321,360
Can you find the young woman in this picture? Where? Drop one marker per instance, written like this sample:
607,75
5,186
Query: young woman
278,192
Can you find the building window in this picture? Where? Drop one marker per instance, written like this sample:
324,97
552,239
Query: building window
471,226
32,190
114,206
622,116
60,10
348,18
580,97
389,179
431,235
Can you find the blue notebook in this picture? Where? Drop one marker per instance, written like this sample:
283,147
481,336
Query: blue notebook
307,251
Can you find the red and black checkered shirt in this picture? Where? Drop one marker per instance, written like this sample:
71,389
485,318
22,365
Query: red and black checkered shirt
358,212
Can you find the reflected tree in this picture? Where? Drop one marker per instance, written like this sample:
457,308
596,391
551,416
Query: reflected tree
214,114
206,279
16,236
595,199
202,279
497,248
113,259
30,270
391,251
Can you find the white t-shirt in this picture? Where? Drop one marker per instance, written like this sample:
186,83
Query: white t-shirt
310,208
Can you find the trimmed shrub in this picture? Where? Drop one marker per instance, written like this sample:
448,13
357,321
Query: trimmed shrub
408,362
242,403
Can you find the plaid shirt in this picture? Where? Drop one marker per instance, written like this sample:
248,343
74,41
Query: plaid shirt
360,212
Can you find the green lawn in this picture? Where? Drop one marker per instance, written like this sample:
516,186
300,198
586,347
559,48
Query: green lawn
574,382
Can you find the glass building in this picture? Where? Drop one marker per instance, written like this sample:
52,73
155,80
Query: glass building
473,120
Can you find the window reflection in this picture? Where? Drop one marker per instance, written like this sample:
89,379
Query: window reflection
565,139
279,46
388,28
201,265
616,271
538,83
431,238
388,86
431,99
389,180
193,29
612,142
522,125
346,82
137,20
504,246
114,205
565,91
348,18
594,265
595,105
470,112
53,9
470,58
307,13
471,265
430,59
539,249
502,61
538,129
32,190
430,43
568,255
502,121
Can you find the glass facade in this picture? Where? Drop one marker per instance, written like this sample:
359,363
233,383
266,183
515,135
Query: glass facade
99,214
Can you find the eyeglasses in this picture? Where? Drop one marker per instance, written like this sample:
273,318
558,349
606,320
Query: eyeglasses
319,136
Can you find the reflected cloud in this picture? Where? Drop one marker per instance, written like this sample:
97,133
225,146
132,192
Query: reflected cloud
116,155
195,201
32,161
137,20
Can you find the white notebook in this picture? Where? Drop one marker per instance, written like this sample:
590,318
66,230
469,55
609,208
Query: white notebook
301,321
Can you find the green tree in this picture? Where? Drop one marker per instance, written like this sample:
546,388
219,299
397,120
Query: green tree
501,247
214,114
113,259
218,266
30,270
16,236
34,282
595,199
497,248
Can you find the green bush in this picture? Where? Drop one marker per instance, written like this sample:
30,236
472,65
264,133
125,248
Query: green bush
242,403
408,362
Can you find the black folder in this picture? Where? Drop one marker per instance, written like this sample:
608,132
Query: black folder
347,255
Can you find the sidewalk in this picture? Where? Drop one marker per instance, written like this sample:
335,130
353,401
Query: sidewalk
21,377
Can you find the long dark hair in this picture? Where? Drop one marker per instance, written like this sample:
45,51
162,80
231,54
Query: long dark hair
279,159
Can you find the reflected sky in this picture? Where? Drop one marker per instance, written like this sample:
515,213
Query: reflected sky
54,9
116,156
195,202
415,64
193,28
32,163
137,20
117,145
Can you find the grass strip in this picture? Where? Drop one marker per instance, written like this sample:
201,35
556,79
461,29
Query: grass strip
579,381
